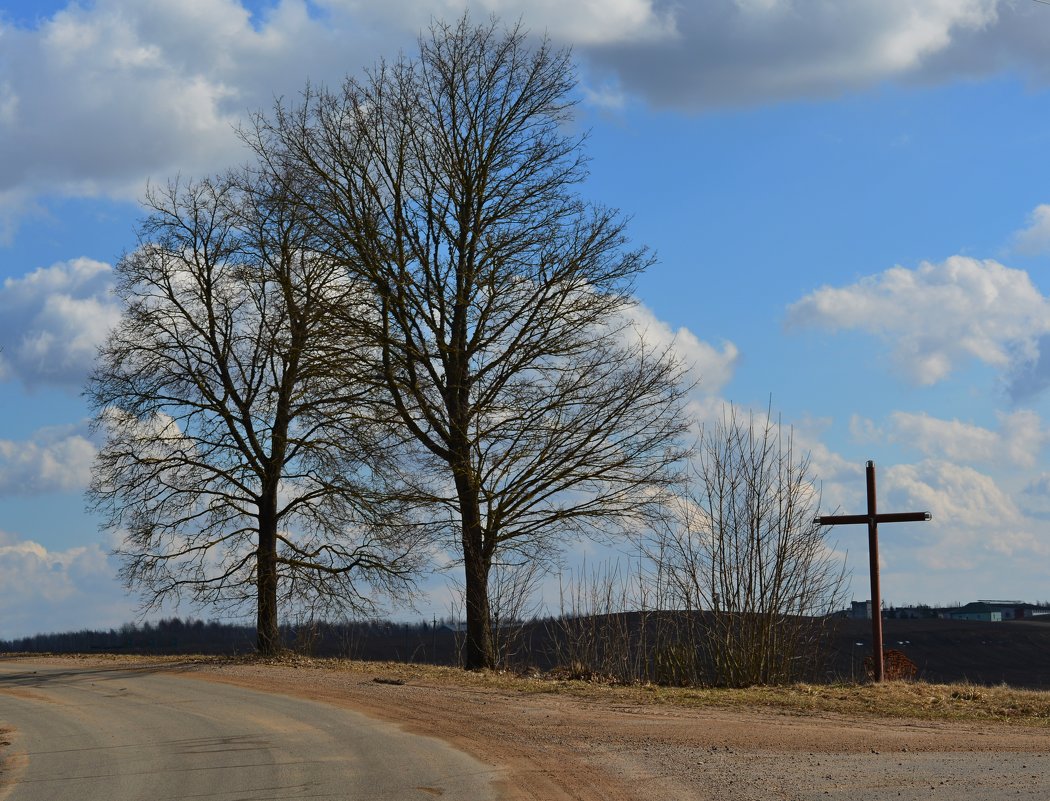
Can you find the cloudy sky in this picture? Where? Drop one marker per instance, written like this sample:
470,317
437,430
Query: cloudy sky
850,203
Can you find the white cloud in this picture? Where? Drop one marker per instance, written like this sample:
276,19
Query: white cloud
53,320
57,590
101,97
841,480
1035,237
939,317
980,538
607,97
711,366
582,22
973,517
98,97
53,460
1019,442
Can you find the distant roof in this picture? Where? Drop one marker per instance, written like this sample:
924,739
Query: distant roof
1003,603
979,606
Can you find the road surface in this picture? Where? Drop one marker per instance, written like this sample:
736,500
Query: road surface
122,734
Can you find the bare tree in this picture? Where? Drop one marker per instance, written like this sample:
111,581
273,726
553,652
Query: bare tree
447,183
234,458
746,550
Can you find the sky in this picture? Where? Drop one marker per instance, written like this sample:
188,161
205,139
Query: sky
849,204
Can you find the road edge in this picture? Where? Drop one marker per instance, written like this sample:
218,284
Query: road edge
12,761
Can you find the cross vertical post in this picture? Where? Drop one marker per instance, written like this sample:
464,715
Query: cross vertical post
872,519
873,563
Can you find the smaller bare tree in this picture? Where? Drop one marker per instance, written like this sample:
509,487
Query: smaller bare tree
240,466
745,550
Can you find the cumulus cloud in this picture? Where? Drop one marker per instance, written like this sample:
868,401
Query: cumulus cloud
1018,442
939,317
52,460
99,96
57,590
980,534
972,515
1035,237
712,366
583,23
53,320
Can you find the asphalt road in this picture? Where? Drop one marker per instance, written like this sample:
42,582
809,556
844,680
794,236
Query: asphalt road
101,734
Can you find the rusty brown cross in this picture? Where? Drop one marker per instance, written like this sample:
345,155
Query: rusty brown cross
873,518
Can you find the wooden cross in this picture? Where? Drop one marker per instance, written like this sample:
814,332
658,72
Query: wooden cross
873,518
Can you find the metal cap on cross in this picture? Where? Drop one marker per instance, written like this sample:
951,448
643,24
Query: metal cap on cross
872,519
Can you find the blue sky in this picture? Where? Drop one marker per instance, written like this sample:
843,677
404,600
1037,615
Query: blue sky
846,201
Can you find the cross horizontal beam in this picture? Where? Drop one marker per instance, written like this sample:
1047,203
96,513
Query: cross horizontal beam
891,517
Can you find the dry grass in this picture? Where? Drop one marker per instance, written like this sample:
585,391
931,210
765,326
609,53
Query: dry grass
915,700
899,699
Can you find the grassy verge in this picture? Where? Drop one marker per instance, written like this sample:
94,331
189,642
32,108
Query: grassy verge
914,700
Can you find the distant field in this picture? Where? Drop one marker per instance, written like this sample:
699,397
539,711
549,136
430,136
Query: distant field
945,651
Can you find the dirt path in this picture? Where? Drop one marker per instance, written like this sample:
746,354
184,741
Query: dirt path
560,747
556,746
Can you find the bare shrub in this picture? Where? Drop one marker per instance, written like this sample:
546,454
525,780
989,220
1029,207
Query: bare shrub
512,604
745,550
602,631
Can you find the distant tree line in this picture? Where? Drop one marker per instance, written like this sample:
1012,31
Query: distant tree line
371,639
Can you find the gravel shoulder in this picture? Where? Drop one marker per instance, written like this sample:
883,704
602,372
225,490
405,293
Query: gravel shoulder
6,768
556,745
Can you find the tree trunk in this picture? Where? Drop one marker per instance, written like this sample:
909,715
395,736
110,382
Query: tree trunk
267,630
478,653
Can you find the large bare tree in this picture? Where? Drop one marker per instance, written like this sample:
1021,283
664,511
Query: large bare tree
238,465
448,183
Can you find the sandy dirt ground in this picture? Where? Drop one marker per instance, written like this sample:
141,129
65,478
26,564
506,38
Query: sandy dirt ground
553,747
